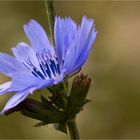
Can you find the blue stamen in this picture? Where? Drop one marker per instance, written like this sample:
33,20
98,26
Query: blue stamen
53,67
38,73
34,74
48,70
58,68
43,68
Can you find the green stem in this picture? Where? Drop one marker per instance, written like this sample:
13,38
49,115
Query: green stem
73,130
50,13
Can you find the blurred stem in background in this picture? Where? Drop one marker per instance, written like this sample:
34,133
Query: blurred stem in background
50,13
72,126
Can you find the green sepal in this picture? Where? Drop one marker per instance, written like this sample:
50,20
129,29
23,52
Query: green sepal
39,124
60,100
87,101
62,127
40,111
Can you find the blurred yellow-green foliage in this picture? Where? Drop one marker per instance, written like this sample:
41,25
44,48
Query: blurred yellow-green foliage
113,64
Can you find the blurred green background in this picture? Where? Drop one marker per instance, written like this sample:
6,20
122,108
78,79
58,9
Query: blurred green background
113,64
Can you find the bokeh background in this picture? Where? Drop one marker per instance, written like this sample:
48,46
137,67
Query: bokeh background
113,64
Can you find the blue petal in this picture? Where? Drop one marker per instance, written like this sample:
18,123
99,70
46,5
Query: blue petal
70,59
4,88
23,52
85,51
15,100
27,85
83,34
9,65
21,95
37,36
22,81
78,52
85,29
64,34
44,84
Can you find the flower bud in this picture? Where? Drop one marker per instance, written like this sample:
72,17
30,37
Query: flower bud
79,90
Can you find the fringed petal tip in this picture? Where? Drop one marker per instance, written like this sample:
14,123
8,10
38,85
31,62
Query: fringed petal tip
4,88
37,36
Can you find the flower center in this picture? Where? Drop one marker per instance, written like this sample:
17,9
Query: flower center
47,67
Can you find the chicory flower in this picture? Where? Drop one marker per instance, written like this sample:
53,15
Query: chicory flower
39,65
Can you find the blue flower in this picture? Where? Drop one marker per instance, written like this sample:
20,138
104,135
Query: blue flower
41,65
